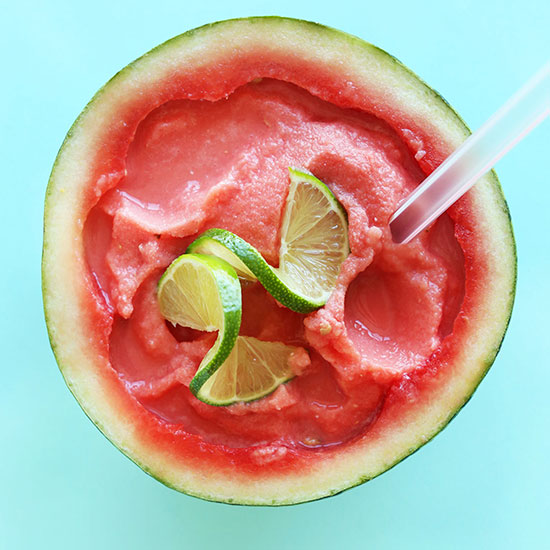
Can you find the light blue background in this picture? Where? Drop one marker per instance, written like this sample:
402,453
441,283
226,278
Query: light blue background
483,483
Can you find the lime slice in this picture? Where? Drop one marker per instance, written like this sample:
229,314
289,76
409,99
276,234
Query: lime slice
253,370
203,292
314,243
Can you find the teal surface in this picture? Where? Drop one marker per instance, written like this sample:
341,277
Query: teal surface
482,483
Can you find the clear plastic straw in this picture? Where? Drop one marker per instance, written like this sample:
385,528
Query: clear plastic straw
476,156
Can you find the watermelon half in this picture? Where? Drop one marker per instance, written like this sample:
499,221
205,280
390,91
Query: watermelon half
200,133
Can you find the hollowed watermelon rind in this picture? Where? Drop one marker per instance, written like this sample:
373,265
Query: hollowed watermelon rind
483,228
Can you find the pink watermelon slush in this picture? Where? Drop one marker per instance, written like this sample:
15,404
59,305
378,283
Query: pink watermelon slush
192,165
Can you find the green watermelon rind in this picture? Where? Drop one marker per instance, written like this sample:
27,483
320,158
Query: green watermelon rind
444,120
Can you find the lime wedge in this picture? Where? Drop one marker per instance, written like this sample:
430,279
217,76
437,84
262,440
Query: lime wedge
203,292
253,370
314,243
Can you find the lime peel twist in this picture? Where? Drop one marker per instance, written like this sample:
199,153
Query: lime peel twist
201,290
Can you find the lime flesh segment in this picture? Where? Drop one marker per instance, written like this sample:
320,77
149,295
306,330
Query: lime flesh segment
253,370
314,238
203,292
314,243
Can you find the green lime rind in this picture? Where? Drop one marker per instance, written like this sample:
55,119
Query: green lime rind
228,293
240,255
279,282
245,254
